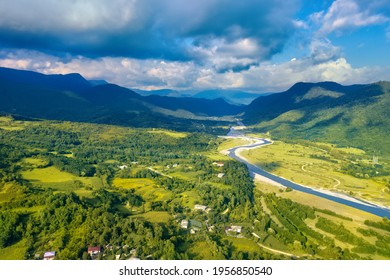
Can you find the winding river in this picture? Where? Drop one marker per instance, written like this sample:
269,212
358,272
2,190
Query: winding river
336,197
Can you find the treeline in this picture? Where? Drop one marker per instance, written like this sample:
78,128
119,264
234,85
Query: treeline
384,224
362,170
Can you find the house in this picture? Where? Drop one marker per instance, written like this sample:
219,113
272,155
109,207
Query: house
94,251
123,167
219,164
175,165
200,207
236,229
49,256
184,224
220,175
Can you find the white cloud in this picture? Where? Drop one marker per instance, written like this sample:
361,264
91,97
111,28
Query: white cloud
159,74
322,50
346,15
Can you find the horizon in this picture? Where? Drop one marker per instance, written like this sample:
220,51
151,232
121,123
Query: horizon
193,92
256,46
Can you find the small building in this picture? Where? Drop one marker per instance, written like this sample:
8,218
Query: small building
175,165
123,167
184,224
49,256
236,229
220,175
200,207
219,164
94,251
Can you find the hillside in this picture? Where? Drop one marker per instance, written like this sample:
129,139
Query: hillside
346,115
71,97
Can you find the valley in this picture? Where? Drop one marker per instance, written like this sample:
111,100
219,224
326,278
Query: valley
86,165
66,186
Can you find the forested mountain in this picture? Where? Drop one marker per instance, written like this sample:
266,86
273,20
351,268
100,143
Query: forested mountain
354,115
71,97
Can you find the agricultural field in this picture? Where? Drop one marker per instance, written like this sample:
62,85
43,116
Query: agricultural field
324,166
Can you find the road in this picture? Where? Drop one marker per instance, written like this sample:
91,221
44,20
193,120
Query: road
336,197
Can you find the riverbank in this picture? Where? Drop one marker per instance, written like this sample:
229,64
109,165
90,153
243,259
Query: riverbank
255,171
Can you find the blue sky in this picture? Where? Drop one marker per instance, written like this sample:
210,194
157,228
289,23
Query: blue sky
253,45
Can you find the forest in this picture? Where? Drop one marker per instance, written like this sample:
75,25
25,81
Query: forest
67,186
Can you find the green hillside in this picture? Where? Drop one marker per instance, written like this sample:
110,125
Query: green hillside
348,116
72,98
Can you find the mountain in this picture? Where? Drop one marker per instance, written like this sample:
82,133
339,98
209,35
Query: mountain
159,92
354,115
71,97
70,82
231,96
235,97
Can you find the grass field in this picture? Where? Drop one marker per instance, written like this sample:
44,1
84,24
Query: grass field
201,250
155,216
145,188
189,175
173,134
225,144
302,165
52,177
14,252
9,191
8,123
35,162
187,199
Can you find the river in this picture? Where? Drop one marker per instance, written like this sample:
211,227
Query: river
336,197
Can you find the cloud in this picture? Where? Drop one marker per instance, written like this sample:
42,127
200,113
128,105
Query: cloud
322,50
154,44
344,15
248,31
182,75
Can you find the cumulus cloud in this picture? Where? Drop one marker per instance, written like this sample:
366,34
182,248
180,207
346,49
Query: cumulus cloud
346,15
182,75
322,50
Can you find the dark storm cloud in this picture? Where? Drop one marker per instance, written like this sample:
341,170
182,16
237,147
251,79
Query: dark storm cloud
170,29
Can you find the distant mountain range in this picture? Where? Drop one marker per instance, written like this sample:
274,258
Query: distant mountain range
356,115
71,97
235,97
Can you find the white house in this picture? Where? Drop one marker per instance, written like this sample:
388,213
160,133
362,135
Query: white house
49,255
200,207
220,175
184,224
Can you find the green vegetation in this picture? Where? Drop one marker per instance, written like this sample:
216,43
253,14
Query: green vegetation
66,186
354,116
325,166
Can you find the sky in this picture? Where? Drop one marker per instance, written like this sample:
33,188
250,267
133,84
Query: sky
252,45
